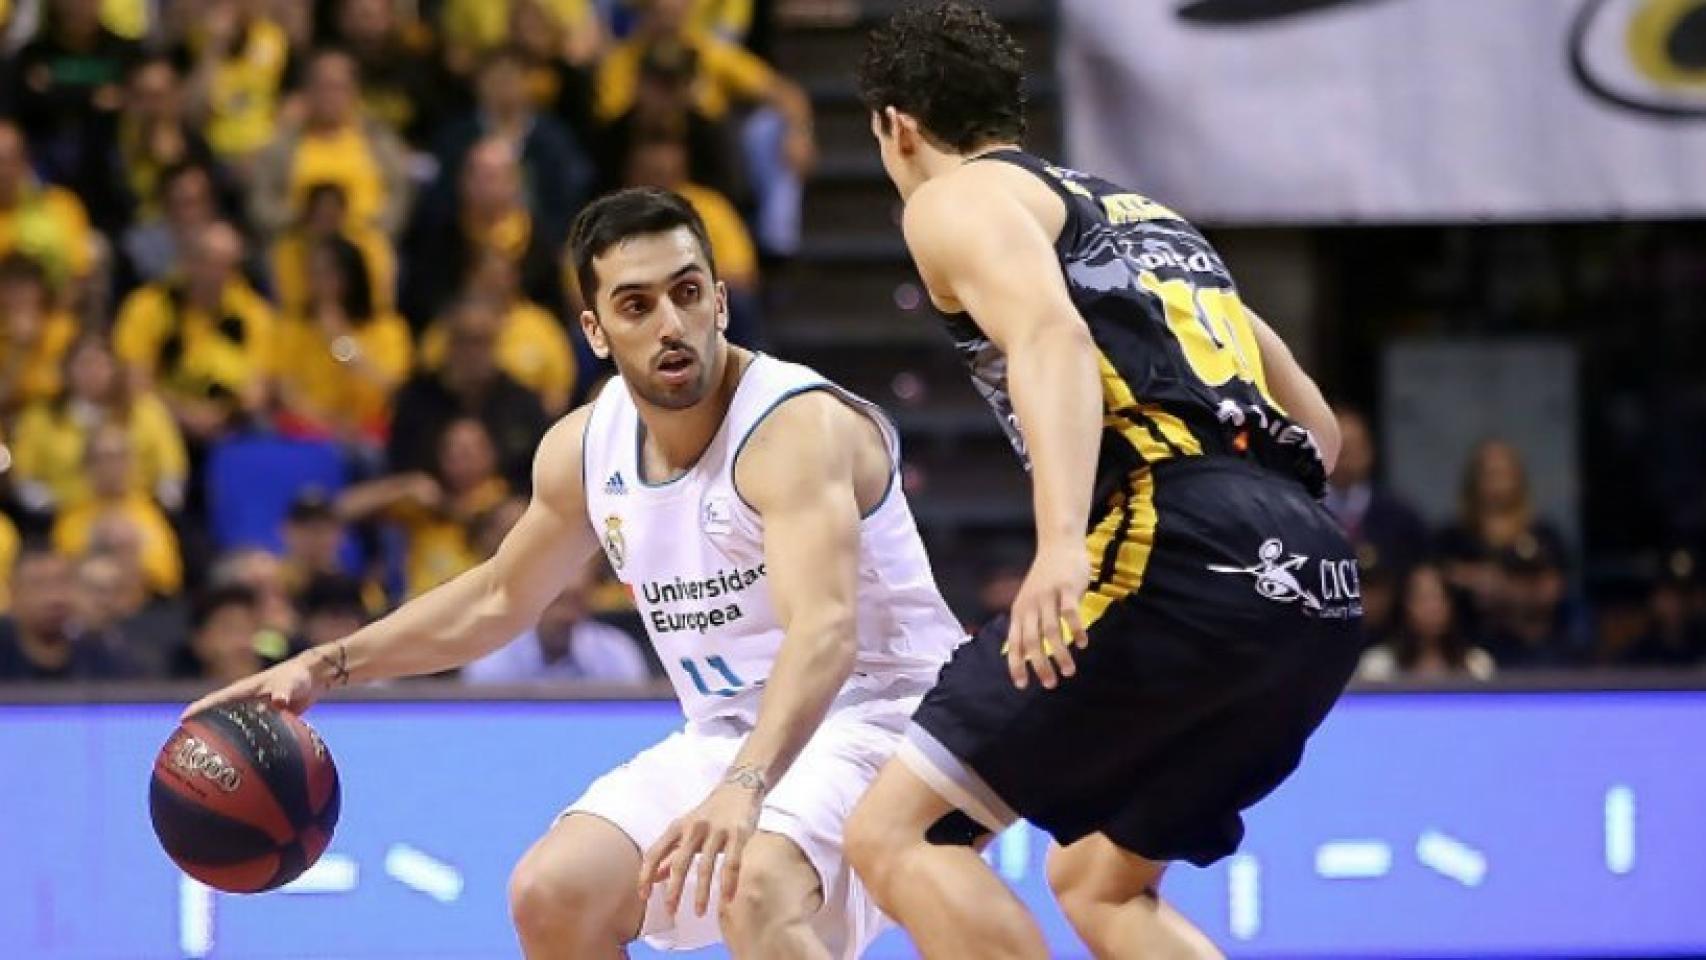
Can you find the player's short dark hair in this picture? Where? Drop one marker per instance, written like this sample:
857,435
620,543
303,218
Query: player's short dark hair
623,215
953,67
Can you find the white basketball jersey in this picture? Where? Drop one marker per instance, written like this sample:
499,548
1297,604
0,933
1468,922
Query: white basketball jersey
692,552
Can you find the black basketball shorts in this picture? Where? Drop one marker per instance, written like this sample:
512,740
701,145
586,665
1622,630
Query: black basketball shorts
1224,621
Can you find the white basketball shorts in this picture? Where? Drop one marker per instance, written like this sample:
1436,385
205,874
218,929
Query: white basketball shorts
808,806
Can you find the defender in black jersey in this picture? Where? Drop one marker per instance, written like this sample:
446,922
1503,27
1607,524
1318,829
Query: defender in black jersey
1192,611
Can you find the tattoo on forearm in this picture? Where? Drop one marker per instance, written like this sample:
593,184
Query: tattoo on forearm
746,776
338,660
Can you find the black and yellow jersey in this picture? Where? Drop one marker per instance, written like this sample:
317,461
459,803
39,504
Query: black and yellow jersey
1181,370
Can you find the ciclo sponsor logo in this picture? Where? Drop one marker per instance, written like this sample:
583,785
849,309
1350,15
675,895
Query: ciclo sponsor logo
1276,574
1337,593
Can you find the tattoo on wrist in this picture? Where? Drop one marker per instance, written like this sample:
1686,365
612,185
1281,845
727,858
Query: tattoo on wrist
746,776
337,660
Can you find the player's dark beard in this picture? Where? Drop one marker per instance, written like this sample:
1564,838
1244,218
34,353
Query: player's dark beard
686,395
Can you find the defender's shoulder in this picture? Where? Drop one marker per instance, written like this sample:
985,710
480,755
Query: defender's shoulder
973,194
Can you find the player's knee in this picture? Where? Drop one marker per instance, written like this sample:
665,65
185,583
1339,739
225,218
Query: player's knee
767,897
547,898
1084,880
870,842
1067,881
755,906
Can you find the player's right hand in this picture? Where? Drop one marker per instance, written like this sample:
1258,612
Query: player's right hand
289,686
1044,625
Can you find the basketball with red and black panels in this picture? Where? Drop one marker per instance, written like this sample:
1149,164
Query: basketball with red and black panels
244,797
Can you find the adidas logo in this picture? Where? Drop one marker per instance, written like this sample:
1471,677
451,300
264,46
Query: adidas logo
614,486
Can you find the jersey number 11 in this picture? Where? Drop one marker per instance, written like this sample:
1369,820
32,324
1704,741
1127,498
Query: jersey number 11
718,664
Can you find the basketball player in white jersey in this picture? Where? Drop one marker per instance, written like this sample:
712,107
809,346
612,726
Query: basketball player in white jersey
751,506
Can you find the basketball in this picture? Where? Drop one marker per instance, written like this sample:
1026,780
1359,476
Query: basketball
244,797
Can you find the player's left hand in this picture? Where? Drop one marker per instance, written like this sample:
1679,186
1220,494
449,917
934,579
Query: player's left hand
1044,625
721,824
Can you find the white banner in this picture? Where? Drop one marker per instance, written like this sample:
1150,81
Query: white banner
1316,111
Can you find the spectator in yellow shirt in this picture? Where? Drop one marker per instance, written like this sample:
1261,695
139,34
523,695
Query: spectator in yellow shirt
777,139
9,541
205,337
663,102
729,75
440,514
325,215
532,345
33,335
50,436
46,222
341,357
728,19
473,28
241,58
336,145
659,159
109,460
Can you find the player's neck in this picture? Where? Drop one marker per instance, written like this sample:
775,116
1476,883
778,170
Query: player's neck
676,439
986,150
942,163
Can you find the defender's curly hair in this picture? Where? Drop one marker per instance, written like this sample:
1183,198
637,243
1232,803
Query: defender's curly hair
952,66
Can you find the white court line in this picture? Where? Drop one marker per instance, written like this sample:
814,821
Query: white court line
1244,896
420,871
195,917
1353,859
334,873
1012,852
1451,857
1620,829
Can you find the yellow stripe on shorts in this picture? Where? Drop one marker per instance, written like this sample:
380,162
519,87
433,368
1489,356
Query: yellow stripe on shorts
1132,536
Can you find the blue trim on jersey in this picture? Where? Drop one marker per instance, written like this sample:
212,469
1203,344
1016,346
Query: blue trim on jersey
640,460
841,395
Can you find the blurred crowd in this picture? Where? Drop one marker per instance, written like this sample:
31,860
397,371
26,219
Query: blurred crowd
284,307
1497,590
284,312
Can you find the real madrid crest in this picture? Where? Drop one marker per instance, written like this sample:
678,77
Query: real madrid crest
614,545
